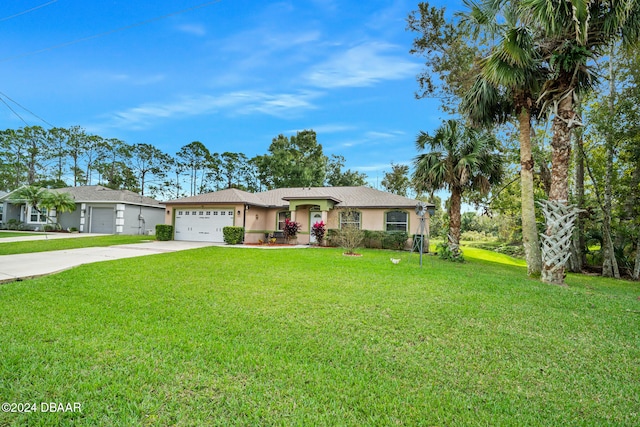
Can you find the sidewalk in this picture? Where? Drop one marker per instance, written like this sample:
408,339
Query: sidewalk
25,266
48,236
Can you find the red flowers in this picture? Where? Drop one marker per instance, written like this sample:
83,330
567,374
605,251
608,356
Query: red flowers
318,231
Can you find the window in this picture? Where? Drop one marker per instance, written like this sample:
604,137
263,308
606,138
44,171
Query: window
201,213
231,213
208,213
1,212
281,218
179,212
350,219
215,213
186,213
396,221
194,213
223,213
37,217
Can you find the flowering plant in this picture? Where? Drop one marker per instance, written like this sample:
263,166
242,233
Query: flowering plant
290,228
318,231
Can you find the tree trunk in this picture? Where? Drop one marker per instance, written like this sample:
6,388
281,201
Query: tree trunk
578,256
609,262
530,238
561,155
455,221
636,268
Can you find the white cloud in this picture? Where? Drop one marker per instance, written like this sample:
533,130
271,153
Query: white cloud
233,103
362,65
383,135
193,29
333,128
373,168
122,78
370,138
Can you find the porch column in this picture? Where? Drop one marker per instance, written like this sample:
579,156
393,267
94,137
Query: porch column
325,217
83,212
120,218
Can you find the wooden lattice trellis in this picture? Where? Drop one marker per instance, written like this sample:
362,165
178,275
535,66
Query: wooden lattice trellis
556,241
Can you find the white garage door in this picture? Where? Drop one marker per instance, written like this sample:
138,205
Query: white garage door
202,225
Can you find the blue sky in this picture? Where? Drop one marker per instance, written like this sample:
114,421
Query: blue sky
232,74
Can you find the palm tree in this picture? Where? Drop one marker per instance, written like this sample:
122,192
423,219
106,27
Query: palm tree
460,159
30,195
570,36
508,79
61,202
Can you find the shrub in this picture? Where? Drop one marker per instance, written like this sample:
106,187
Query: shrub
373,239
164,232
396,240
49,227
477,236
332,236
233,235
349,236
290,229
318,230
447,253
14,224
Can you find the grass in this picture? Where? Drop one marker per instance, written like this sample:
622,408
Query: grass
225,336
4,234
70,243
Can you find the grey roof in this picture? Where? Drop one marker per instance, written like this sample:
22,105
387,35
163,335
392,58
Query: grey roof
230,195
98,193
352,197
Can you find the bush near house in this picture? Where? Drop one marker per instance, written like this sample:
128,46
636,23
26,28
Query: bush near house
396,240
373,239
233,235
318,231
290,229
164,232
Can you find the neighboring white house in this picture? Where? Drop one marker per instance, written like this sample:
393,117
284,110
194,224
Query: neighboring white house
98,210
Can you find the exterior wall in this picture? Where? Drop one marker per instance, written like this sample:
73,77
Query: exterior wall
132,223
126,218
70,219
256,224
11,211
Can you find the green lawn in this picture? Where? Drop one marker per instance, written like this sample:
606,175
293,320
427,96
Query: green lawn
4,234
70,243
226,336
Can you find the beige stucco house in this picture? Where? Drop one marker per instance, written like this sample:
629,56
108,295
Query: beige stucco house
203,217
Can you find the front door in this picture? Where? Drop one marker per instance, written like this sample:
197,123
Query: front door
314,216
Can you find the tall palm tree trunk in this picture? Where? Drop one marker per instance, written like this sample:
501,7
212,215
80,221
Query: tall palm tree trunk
530,238
609,262
578,259
455,204
560,157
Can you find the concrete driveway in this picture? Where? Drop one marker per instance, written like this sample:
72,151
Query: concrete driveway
24,266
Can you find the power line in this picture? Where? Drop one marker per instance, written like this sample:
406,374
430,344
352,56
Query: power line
27,11
24,108
14,111
106,33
